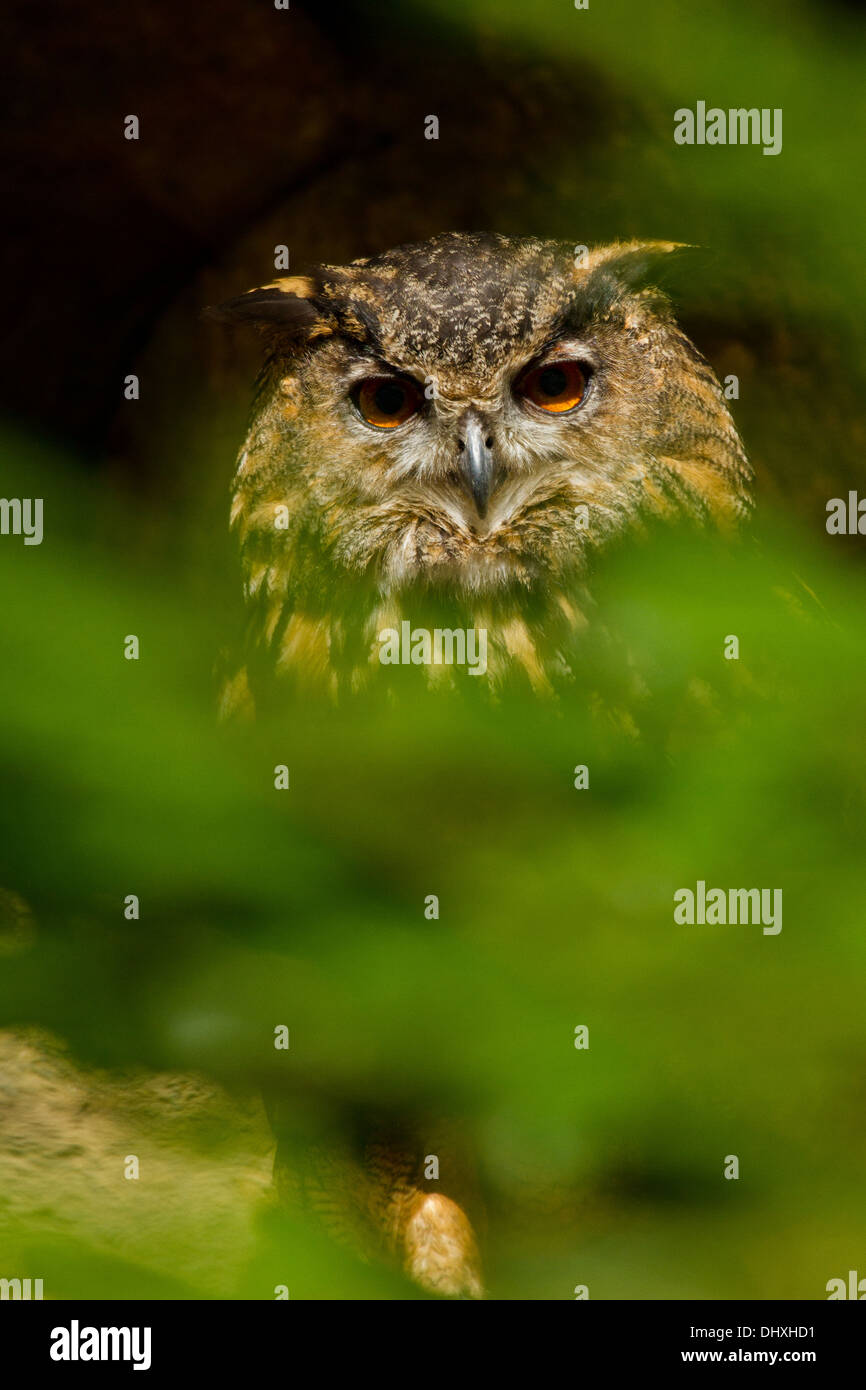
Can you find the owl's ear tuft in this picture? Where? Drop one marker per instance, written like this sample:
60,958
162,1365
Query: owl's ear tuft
635,264
626,268
286,304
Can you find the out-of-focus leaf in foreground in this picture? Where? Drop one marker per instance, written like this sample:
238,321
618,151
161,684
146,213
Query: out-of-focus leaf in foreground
306,908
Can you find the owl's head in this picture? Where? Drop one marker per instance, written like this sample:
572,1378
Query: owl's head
473,413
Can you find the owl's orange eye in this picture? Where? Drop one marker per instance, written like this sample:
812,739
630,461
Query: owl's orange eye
387,401
557,386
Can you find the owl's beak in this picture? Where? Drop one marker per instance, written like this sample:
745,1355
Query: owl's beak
476,461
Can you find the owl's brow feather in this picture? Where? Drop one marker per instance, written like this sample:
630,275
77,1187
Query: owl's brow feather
598,296
365,355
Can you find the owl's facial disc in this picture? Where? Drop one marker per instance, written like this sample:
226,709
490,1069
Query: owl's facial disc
462,440
463,476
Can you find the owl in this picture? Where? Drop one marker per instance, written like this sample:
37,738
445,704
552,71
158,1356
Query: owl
456,429
462,426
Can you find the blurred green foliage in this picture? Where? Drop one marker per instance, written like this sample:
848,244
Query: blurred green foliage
305,907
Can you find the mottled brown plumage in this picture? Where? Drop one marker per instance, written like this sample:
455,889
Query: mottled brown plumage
375,523
488,505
